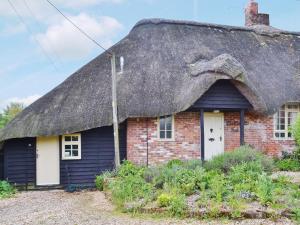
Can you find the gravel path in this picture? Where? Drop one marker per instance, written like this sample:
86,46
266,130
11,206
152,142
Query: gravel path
59,207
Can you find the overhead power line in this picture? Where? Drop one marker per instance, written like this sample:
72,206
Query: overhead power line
82,31
29,31
40,27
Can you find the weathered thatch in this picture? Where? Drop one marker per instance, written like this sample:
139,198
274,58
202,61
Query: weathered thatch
168,66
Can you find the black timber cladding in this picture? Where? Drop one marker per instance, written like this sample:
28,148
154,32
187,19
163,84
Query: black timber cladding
97,149
97,155
222,95
20,161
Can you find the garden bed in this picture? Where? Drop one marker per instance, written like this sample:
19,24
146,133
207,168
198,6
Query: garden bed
234,185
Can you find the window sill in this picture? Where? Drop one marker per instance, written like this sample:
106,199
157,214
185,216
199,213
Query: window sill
71,159
166,140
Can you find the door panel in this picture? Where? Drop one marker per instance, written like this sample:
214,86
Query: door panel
213,134
47,161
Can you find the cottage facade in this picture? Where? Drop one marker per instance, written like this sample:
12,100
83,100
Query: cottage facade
186,90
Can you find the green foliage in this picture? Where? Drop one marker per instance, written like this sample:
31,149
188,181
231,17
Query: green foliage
265,189
296,132
240,155
288,164
178,206
6,190
9,113
129,188
230,182
101,180
164,200
129,169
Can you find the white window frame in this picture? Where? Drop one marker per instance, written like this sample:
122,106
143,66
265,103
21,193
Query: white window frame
172,129
64,143
287,110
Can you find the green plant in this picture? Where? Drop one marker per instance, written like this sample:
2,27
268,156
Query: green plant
129,169
164,200
6,189
174,162
240,155
288,164
130,188
265,189
296,214
185,180
296,132
178,206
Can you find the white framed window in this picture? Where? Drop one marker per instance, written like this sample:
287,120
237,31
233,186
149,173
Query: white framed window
166,127
71,146
284,119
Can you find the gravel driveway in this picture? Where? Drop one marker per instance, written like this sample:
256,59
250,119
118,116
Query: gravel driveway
59,207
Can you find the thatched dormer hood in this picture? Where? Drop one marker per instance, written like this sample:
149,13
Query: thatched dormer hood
168,65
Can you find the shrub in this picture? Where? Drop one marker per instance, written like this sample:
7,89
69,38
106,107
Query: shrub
130,188
129,169
265,189
174,162
296,131
185,180
178,206
288,164
240,155
164,200
6,189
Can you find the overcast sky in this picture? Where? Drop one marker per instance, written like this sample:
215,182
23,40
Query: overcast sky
37,57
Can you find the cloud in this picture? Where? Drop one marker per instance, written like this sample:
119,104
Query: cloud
26,100
42,8
12,29
68,43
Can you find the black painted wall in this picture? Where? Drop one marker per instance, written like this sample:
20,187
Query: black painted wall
222,95
97,155
1,164
19,161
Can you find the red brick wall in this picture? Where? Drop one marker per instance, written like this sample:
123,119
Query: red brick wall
186,143
258,133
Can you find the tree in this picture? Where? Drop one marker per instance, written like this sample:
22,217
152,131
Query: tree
10,112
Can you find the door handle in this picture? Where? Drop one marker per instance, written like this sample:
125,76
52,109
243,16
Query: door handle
211,139
221,138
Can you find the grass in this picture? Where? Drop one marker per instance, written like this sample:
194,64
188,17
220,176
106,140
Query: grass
6,190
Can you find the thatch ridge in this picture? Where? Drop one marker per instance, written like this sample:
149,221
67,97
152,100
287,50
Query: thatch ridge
159,77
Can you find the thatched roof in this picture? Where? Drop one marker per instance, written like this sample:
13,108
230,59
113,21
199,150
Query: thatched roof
168,66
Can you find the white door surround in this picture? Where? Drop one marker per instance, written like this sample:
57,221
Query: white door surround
47,161
213,134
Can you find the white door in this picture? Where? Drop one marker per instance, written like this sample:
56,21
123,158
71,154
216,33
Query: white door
213,134
47,161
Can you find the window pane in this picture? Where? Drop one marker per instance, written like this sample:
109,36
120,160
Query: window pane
74,146
75,153
277,135
74,138
162,134
67,153
67,138
282,135
67,146
169,134
162,123
169,123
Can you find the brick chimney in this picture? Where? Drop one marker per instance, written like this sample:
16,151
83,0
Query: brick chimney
252,17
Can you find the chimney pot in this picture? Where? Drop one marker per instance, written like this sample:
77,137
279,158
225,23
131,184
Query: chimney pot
252,17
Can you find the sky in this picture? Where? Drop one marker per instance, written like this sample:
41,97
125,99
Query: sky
41,49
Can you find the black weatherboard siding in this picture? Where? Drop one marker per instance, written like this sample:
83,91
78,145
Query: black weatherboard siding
20,161
222,95
97,155
1,164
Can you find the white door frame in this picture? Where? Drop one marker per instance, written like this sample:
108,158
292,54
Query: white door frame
213,114
47,161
